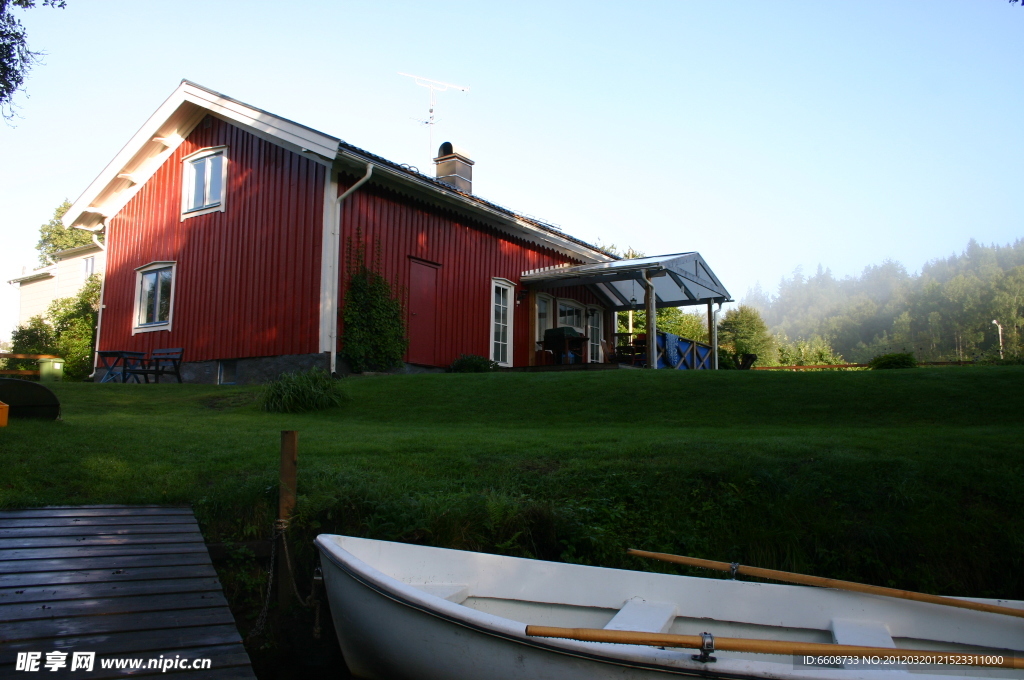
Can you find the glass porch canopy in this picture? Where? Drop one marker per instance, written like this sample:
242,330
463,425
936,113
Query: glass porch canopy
679,280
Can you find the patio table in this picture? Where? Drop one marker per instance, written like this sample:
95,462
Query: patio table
117,362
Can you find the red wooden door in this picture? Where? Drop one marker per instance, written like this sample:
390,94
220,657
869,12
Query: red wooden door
422,313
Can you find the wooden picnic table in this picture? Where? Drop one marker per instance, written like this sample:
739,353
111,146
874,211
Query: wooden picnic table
118,364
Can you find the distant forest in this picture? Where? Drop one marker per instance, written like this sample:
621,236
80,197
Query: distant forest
943,313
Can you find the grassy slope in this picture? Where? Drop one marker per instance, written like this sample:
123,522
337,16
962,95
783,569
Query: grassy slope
905,478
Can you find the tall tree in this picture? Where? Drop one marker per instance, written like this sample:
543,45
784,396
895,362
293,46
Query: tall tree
743,331
55,237
16,59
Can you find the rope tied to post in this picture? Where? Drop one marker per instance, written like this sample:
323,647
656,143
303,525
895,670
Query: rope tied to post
279,531
287,494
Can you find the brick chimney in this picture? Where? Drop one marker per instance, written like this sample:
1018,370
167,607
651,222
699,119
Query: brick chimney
454,167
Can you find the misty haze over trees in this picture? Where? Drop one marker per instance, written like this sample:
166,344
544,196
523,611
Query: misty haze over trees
945,312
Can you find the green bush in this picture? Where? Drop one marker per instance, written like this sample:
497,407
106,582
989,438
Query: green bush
471,363
67,330
374,335
312,390
897,360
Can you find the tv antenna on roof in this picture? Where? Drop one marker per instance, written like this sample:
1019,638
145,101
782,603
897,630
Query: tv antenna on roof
434,86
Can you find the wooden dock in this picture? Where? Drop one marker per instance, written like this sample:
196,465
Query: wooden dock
125,582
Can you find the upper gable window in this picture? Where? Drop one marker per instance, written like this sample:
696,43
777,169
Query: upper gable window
205,175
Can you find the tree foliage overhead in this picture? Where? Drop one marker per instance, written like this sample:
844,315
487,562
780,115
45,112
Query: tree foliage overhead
943,313
55,237
16,59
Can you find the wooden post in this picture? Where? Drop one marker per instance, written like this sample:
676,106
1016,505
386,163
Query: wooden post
711,322
285,506
650,298
712,336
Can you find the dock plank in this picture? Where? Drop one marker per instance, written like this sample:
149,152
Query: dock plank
45,629
50,593
93,511
103,521
106,575
131,643
7,532
114,562
62,541
105,606
79,551
122,581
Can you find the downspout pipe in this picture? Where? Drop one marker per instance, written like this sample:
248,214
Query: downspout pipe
95,231
336,255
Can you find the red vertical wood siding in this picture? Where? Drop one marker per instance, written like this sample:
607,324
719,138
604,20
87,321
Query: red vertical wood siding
248,279
470,255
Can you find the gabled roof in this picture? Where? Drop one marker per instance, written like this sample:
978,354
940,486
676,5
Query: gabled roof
165,130
168,127
44,273
679,280
69,253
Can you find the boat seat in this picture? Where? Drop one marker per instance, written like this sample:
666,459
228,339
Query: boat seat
453,592
863,634
644,616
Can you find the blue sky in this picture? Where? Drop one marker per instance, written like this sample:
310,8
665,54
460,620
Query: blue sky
766,135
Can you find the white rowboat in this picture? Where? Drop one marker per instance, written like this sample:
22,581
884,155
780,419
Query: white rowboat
406,612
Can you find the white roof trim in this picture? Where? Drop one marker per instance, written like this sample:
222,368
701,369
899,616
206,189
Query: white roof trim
165,130
67,253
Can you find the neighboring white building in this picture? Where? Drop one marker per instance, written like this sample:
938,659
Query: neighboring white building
59,280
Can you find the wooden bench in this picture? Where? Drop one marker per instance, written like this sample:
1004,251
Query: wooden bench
17,371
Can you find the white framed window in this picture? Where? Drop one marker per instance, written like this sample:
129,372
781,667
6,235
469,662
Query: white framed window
205,175
88,266
154,297
595,328
571,314
545,315
502,291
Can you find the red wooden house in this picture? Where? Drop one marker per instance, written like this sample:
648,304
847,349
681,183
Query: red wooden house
226,228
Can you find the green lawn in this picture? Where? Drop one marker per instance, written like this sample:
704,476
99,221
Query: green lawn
907,478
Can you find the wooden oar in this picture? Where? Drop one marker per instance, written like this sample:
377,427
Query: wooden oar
628,637
806,580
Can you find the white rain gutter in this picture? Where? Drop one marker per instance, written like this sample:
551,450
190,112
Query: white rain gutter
94,231
103,286
336,264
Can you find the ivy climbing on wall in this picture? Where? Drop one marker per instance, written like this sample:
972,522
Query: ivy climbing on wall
374,320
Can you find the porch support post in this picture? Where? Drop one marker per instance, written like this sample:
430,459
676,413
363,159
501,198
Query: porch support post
711,322
714,335
652,320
